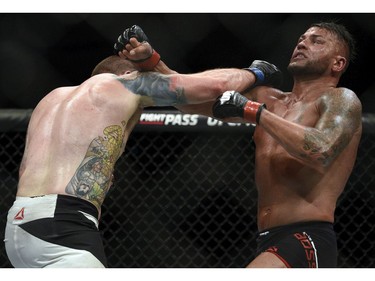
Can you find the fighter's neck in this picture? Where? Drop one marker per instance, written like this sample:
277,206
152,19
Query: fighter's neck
302,87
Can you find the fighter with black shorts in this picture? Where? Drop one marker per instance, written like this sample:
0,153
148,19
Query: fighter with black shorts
301,245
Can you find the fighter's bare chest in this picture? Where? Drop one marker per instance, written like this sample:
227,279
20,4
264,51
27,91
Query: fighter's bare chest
302,113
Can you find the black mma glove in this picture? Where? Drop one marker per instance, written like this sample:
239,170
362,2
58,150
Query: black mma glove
123,39
233,104
136,32
266,74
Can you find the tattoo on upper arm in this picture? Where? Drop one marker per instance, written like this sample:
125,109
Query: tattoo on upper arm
331,136
339,120
160,88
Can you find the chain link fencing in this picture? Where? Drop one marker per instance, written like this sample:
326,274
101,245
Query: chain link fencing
184,195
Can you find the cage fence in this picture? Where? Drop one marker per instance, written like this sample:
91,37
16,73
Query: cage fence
184,194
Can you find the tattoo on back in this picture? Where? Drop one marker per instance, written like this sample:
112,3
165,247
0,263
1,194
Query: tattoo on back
160,88
93,177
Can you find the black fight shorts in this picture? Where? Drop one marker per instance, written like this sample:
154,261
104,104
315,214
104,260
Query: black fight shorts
301,245
54,231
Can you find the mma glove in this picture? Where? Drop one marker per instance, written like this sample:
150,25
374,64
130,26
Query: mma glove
135,31
233,104
266,74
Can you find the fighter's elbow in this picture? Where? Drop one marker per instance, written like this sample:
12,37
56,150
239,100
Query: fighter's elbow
323,159
218,87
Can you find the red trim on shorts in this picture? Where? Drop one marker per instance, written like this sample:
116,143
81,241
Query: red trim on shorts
270,250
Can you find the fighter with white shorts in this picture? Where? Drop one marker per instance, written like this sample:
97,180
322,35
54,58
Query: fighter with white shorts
54,231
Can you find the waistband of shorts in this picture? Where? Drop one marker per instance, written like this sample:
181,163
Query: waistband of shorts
62,201
293,226
75,203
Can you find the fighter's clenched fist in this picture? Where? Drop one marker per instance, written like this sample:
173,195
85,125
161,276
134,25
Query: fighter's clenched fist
233,104
124,44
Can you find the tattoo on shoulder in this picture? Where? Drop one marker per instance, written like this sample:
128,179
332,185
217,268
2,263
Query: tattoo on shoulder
160,88
334,132
94,175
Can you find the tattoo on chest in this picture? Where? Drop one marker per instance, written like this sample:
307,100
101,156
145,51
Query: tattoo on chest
161,89
93,177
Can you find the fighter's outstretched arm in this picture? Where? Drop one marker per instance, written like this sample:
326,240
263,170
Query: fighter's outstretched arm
181,89
133,44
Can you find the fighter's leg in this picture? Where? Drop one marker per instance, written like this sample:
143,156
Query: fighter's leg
267,260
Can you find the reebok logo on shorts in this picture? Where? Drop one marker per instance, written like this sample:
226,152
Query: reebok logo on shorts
20,214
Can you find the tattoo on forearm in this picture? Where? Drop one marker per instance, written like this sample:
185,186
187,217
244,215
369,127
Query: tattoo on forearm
312,148
93,177
160,88
315,148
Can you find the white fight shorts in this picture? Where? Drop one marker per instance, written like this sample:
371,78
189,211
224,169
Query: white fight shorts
53,231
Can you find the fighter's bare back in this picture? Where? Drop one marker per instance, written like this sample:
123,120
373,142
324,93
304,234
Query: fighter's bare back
57,146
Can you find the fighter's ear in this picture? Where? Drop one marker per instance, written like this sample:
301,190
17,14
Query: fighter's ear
339,64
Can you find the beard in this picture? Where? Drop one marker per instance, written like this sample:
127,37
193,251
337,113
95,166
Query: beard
308,68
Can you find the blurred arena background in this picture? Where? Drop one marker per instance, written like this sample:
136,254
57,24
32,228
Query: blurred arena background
42,51
183,197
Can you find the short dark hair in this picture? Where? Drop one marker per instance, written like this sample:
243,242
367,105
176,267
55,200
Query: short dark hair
115,65
342,34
